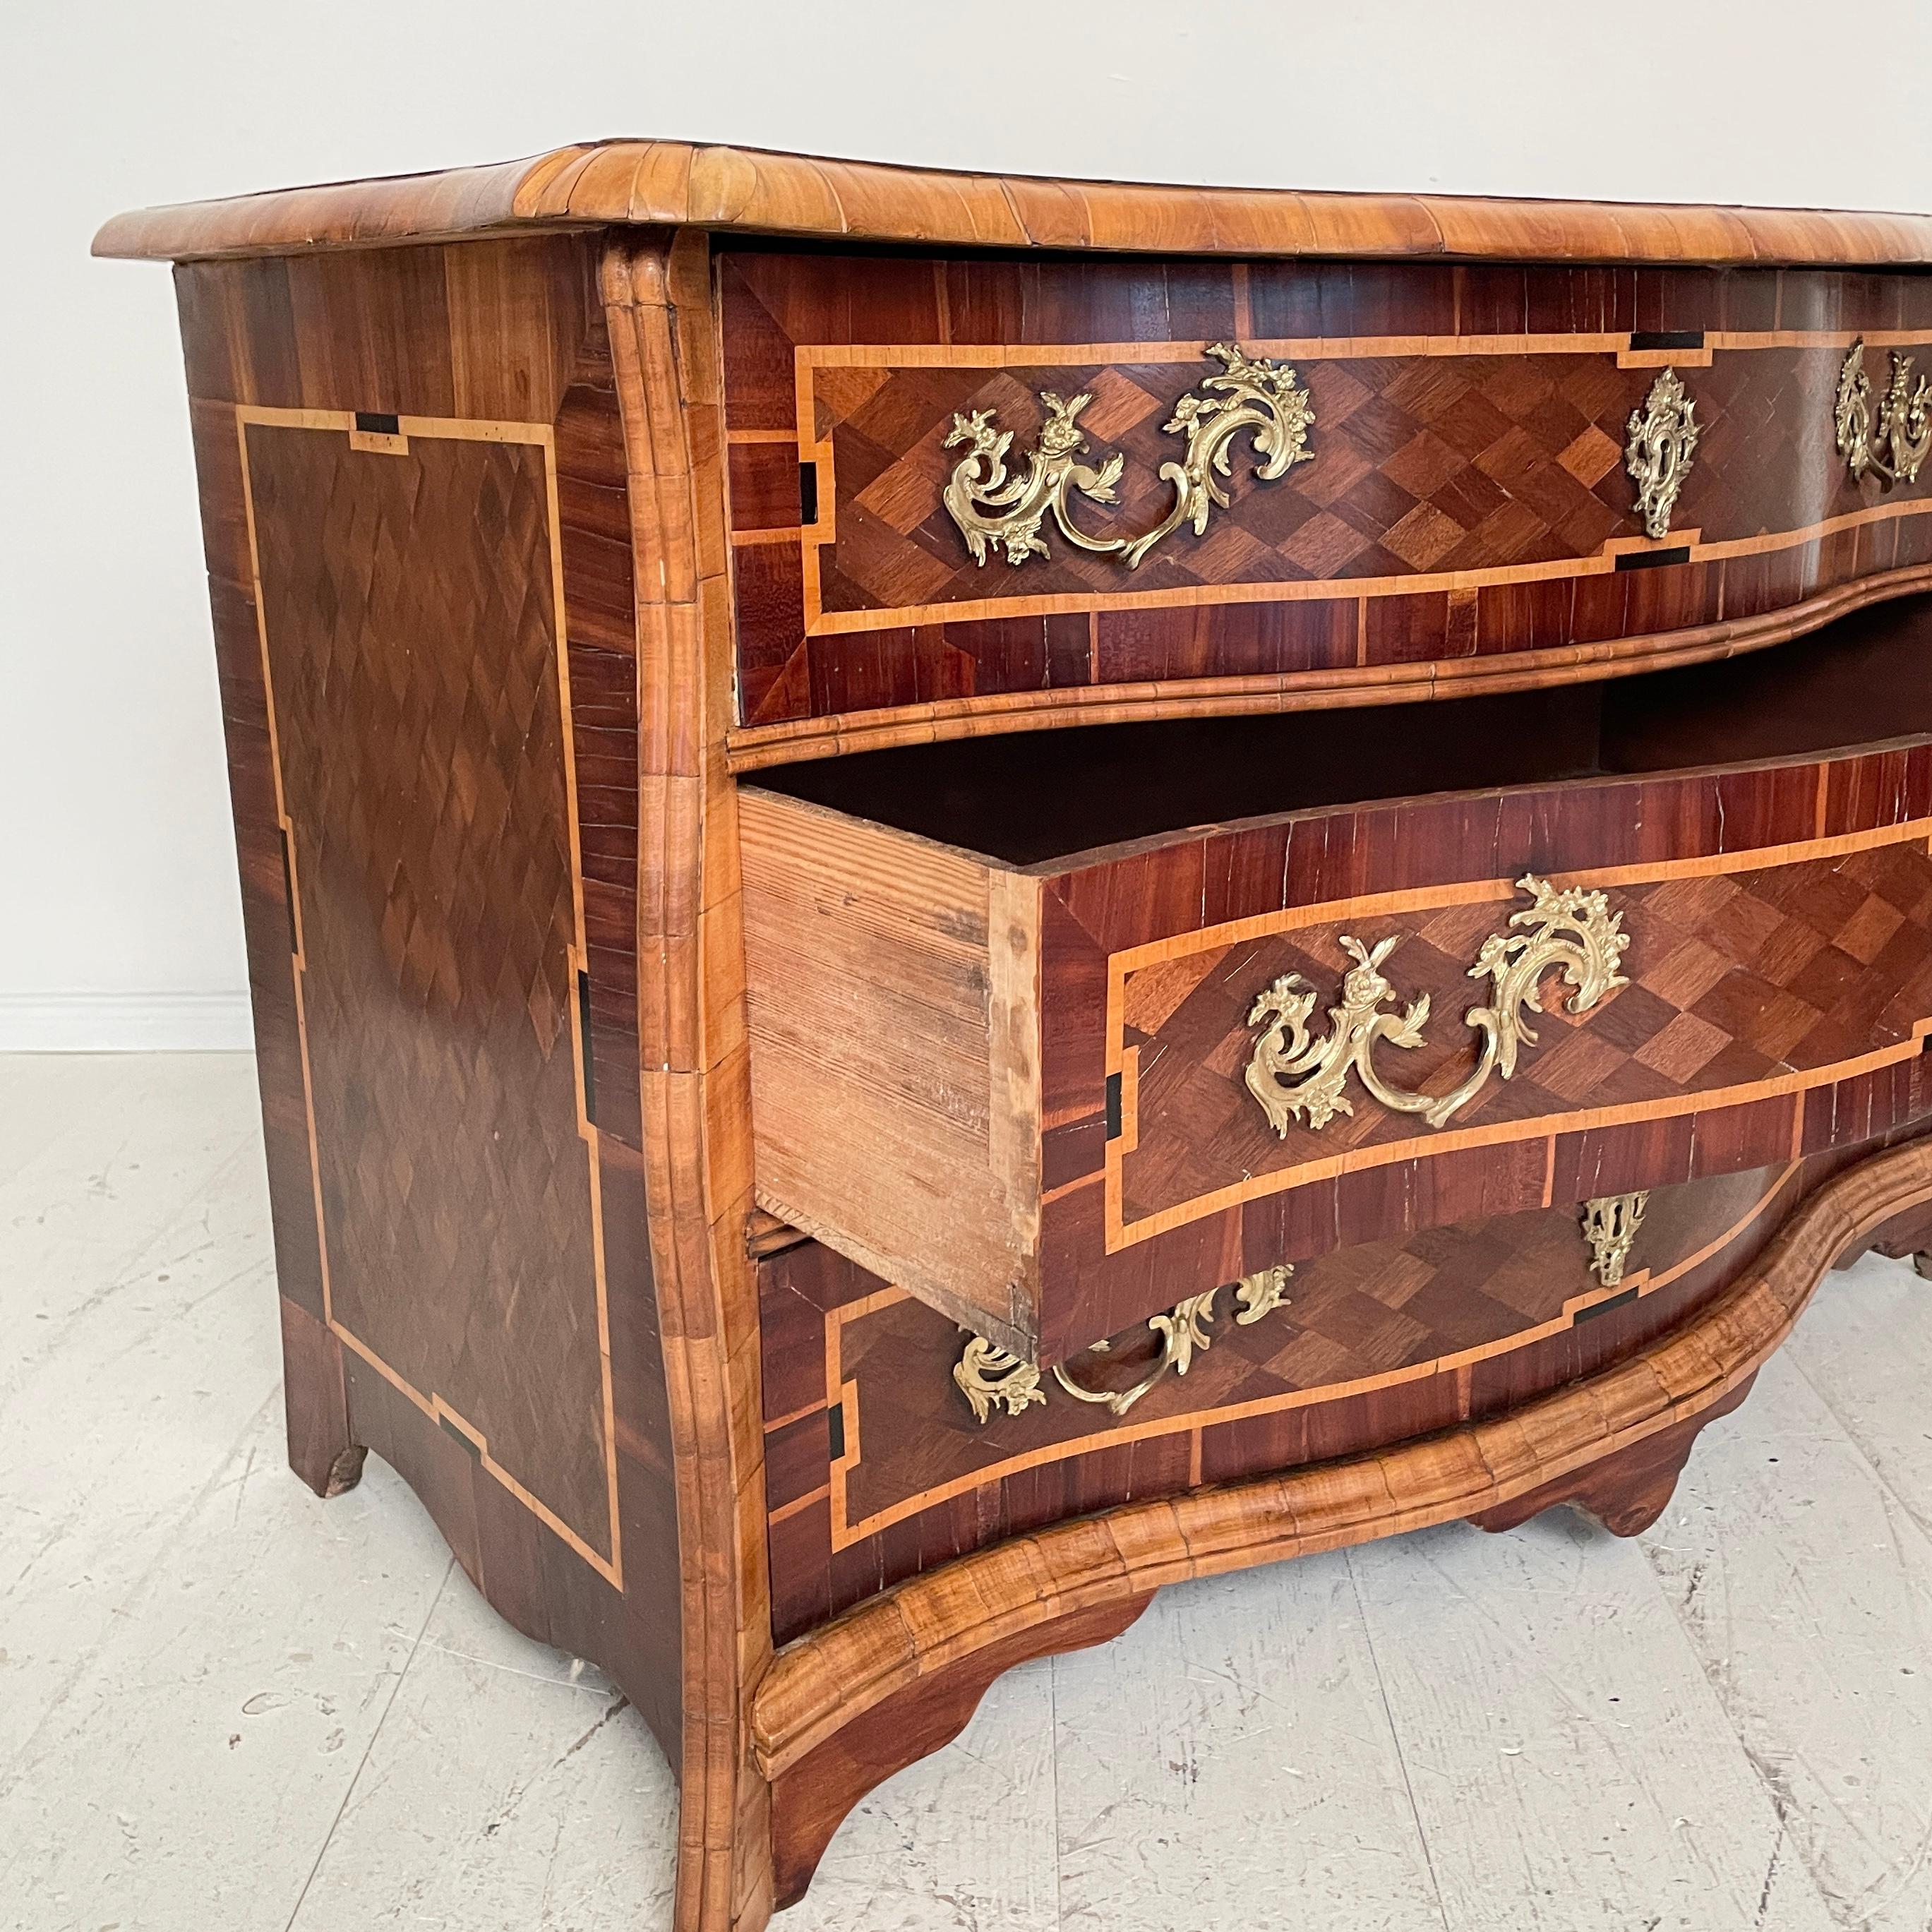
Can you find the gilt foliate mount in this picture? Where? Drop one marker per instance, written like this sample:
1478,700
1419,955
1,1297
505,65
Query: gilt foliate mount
1663,445
1292,1077
1610,1223
990,1377
1894,443
999,509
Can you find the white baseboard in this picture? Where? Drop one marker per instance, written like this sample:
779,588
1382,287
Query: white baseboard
125,1023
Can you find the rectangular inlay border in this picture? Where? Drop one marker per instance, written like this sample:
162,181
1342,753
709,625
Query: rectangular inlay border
817,453
391,435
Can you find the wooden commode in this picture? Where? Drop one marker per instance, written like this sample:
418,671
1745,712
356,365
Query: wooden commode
964,894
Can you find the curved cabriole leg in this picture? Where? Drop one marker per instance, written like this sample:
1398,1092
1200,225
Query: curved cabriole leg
813,1799
1626,1492
1906,1237
323,1448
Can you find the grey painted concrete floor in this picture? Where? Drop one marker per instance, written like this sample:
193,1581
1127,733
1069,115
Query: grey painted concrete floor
227,1707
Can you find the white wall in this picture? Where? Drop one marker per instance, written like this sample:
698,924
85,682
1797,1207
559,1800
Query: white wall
119,921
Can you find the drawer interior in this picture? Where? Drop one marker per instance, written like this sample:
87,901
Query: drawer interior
1036,798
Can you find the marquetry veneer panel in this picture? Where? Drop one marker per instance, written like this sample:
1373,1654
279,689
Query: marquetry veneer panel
1780,960
429,821
1736,979
1467,496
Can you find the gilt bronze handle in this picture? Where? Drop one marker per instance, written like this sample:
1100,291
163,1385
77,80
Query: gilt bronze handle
1572,931
998,510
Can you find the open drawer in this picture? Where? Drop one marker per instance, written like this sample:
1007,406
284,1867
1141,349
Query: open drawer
1055,1030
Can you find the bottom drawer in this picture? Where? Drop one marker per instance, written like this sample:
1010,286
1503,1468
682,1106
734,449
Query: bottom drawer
880,1462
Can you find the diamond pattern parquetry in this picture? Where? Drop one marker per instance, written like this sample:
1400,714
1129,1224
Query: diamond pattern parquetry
1423,464
1735,978
409,609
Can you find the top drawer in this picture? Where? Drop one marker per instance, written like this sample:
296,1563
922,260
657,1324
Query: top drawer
1460,492
1052,1091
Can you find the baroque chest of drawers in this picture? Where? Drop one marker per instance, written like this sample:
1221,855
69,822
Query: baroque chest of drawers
963,896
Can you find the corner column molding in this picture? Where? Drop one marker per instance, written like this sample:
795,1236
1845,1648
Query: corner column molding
696,1090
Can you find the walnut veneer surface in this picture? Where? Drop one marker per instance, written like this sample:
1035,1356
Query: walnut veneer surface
711,938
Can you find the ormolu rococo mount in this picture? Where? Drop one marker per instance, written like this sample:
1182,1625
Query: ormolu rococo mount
966,895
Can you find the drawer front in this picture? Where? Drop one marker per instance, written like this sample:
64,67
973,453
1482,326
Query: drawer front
1764,942
1053,1102
876,1466
1461,490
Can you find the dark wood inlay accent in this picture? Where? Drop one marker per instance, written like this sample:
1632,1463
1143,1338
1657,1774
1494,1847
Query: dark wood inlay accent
584,1035
1591,1310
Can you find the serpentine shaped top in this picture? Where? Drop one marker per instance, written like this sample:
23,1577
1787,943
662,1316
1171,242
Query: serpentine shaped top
679,184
